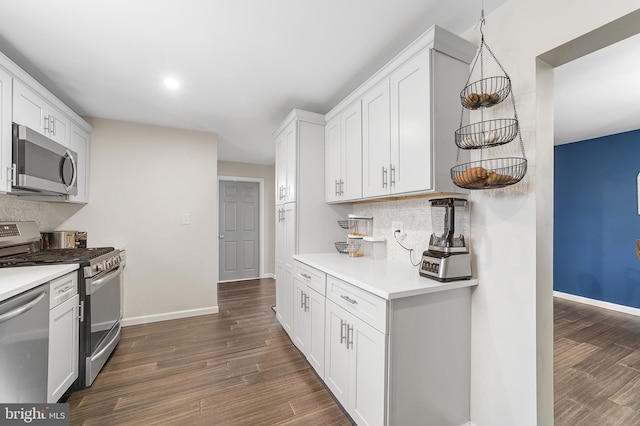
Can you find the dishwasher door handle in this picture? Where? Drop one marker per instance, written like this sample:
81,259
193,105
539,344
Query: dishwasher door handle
22,309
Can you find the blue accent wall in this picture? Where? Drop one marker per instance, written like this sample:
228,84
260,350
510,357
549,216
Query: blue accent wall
596,222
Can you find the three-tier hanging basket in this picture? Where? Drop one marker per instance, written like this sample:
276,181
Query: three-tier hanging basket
483,93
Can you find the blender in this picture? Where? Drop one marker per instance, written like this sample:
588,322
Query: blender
448,257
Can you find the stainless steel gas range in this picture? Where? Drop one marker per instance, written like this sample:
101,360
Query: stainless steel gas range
99,289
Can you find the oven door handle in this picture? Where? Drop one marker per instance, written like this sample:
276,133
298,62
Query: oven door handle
93,286
22,309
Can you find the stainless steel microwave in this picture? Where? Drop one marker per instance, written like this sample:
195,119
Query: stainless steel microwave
41,166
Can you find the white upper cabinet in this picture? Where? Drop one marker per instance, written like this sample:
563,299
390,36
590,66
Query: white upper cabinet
26,102
5,131
411,162
410,110
376,139
343,155
286,143
33,111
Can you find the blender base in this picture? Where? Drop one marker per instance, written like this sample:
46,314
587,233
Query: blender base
445,267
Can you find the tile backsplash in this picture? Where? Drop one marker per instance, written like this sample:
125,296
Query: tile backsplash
13,208
415,214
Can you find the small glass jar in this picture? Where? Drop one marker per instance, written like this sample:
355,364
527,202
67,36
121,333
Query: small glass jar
375,247
355,246
360,226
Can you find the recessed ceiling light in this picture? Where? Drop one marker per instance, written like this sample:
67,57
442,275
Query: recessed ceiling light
171,83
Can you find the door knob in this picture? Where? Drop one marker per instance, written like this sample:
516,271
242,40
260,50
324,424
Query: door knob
221,236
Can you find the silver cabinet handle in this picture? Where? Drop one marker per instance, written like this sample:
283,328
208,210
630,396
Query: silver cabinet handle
341,187
393,176
306,276
46,124
348,299
65,289
384,177
306,302
81,311
343,338
302,300
52,126
221,236
13,172
337,190
350,337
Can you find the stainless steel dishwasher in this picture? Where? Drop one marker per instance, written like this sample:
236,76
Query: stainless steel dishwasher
24,346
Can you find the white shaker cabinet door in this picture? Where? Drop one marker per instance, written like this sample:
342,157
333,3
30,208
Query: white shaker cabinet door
367,373
336,360
59,126
301,329
64,343
281,168
315,347
333,159
351,185
411,140
29,109
290,135
376,135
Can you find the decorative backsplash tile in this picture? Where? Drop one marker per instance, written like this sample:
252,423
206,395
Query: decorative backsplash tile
13,208
415,214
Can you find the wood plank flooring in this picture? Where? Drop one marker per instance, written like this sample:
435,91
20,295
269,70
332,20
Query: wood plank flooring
596,366
237,367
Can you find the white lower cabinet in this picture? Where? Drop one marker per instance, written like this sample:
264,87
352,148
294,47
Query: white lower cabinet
388,361
308,333
64,332
355,370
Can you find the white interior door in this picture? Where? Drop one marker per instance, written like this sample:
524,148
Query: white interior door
239,233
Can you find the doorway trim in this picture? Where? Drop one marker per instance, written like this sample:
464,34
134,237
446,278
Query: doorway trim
260,182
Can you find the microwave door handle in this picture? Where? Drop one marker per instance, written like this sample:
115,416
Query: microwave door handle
75,170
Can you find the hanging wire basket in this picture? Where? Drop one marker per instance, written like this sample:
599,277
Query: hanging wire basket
487,174
344,224
487,133
481,94
486,92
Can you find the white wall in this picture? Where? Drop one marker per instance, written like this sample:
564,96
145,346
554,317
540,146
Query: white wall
143,178
512,235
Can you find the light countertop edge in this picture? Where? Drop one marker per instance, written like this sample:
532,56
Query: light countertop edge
385,278
14,281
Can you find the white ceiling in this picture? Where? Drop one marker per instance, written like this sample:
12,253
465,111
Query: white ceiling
243,64
598,94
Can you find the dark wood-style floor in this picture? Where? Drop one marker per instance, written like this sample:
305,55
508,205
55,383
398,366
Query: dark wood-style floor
237,367
597,366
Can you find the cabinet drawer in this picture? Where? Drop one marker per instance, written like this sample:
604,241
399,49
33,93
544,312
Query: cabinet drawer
313,277
62,289
364,305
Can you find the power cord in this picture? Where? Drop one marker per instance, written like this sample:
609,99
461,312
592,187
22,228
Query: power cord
399,241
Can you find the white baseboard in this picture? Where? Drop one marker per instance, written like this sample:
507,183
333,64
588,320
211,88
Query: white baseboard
269,275
145,319
598,303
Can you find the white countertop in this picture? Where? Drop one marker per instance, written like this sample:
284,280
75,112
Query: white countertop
386,278
14,281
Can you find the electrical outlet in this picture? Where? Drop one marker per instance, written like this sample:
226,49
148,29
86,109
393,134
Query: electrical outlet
397,225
